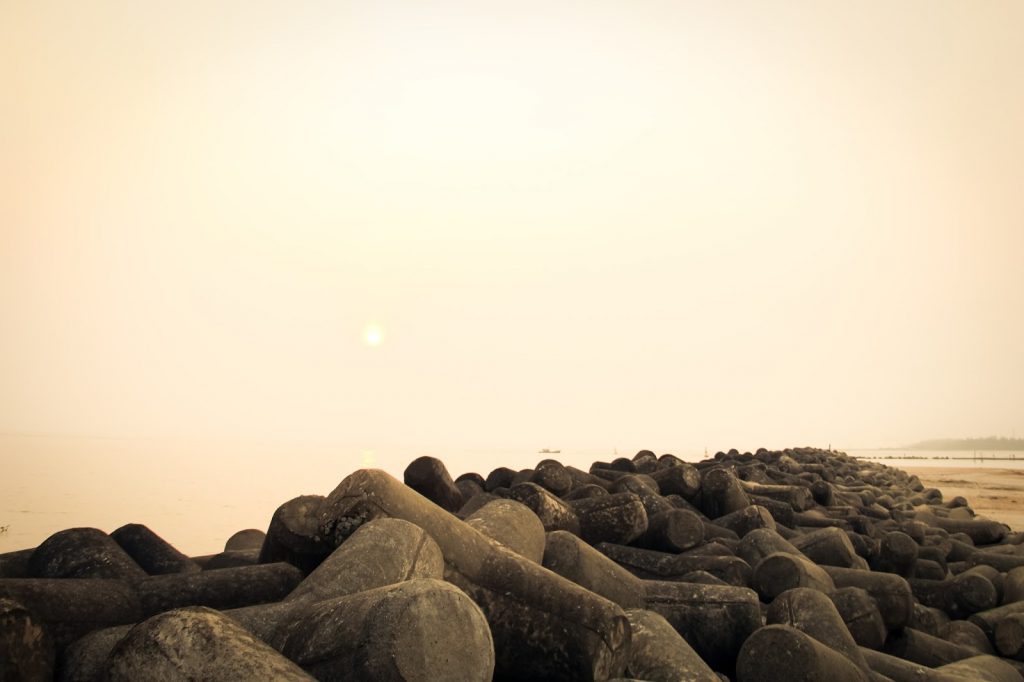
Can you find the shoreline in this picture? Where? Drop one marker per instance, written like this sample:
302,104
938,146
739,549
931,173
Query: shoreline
997,494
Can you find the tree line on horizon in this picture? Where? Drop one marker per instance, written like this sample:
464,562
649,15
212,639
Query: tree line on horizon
986,443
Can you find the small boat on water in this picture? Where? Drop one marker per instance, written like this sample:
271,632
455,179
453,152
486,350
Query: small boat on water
547,451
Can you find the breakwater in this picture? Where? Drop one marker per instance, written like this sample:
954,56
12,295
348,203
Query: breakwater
775,565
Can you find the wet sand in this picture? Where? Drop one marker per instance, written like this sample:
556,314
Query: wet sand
995,493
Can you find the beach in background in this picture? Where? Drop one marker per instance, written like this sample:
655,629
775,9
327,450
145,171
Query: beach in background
997,493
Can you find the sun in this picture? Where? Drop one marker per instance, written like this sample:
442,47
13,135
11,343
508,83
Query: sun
373,335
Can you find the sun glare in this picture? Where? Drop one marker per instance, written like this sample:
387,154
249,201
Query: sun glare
373,335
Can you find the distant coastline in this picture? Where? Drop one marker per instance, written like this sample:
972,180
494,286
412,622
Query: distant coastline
991,443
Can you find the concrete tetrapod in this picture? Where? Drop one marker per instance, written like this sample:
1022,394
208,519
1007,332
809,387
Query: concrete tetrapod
891,592
861,615
782,571
714,619
721,493
981,668
249,538
230,558
682,479
381,552
674,530
420,630
742,521
226,588
759,543
544,626
900,670
617,517
1013,586
781,653
417,629
648,563
966,633
86,657
570,557
71,608
1009,636
987,620
292,534
150,551
813,613
83,553
551,475
644,488
15,564
429,477
512,524
196,644
554,514
920,647
26,649
659,654
829,546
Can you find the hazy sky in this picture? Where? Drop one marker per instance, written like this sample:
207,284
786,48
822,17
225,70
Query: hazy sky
630,224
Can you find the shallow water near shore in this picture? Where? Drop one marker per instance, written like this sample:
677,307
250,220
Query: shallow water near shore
197,492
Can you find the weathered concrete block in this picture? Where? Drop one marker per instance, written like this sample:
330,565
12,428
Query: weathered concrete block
861,615
759,543
919,647
618,517
248,539
83,553
891,592
814,614
72,607
418,630
982,668
381,552
232,558
830,547
16,564
26,649
714,620
572,558
966,633
429,477
196,644
674,530
226,588
782,571
650,564
554,514
150,551
780,653
512,524
293,534
544,626
721,493
659,654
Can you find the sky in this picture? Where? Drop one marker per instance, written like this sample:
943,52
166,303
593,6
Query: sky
466,224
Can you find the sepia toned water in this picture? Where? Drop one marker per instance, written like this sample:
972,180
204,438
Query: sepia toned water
197,493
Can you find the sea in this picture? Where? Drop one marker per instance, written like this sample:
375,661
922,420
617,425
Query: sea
195,493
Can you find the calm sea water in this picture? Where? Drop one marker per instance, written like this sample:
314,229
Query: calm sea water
197,493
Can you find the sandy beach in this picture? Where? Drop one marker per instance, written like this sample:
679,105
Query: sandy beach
995,493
